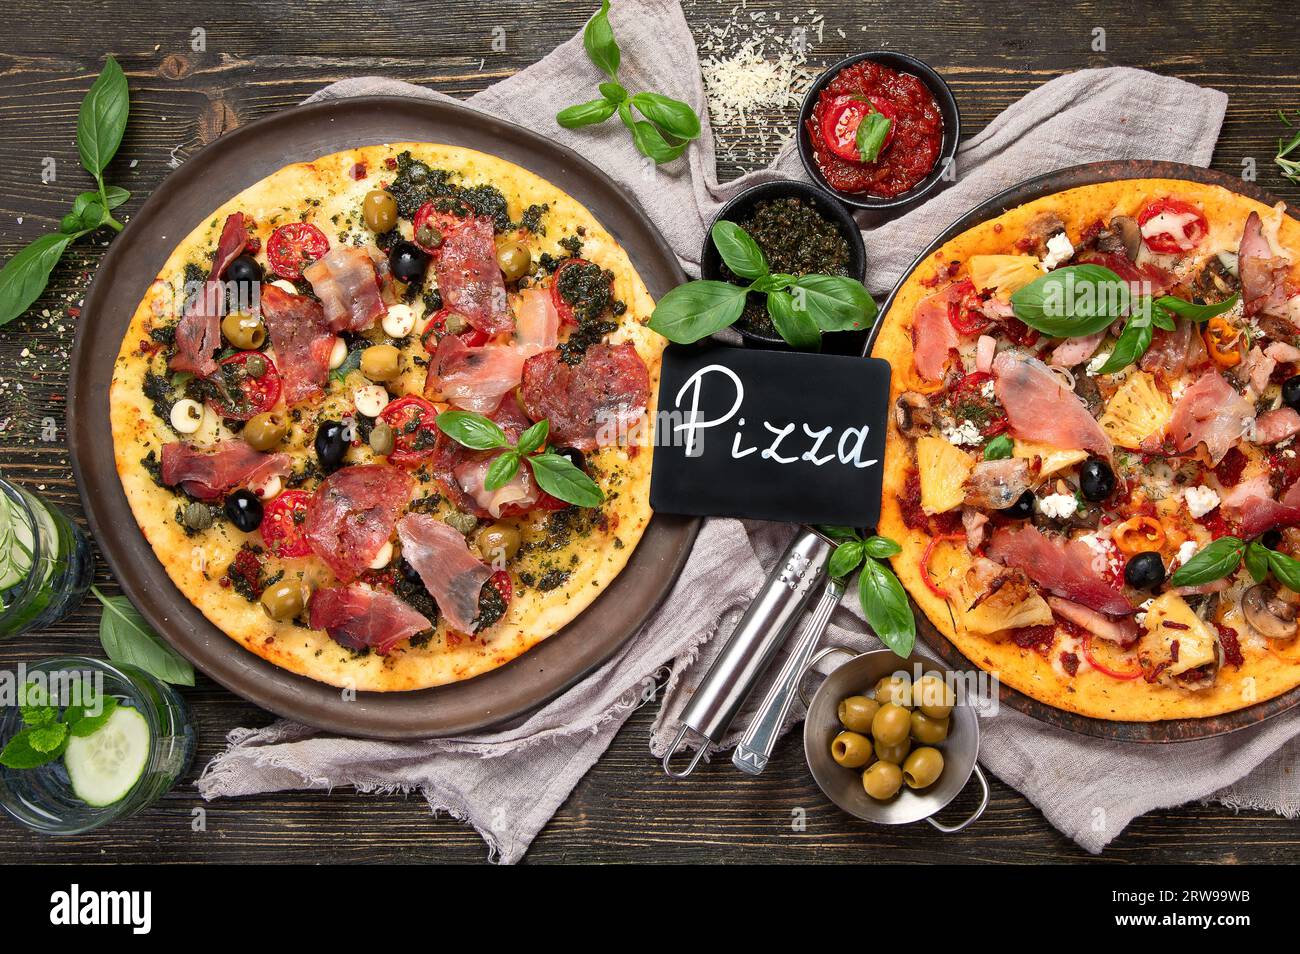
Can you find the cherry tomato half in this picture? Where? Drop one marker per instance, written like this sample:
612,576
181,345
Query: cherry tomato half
282,524
293,247
844,115
500,581
432,227
1175,240
415,431
473,337
246,384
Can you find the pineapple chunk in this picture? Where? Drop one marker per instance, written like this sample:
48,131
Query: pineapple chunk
1054,459
1136,411
1003,274
1169,620
943,470
1010,604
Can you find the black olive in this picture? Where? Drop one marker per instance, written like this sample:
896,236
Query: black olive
408,262
331,444
1291,392
409,572
1145,571
1096,479
244,510
1271,539
573,456
1023,508
244,271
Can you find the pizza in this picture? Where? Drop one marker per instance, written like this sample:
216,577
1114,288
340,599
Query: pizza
1091,449
384,416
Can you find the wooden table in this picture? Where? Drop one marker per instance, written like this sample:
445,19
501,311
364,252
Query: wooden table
264,56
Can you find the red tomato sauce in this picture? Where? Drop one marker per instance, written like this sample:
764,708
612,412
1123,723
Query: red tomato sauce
915,135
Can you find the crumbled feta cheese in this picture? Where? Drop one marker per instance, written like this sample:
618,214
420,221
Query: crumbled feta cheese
963,432
1095,364
988,390
1058,506
1140,617
1059,249
1186,551
1176,391
1200,500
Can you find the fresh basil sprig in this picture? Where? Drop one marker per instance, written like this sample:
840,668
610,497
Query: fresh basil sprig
45,733
880,594
127,638
1139,329
801,306
872,132
554,473
999,448
1222,557
100,126
669,125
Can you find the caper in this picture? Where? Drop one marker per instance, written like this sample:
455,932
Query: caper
851,749
928,731
264,431
379,210
498,543
245,332
283,600
515,260
891,724
381,362
198,516
856,713
255,366
461,521
923,767
882,781
381,439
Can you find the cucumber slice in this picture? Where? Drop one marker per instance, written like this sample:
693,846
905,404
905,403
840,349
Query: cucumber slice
106,764
15,544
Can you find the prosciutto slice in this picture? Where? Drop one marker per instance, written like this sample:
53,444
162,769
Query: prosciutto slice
198,333
1042,409
352,513
1252,505
537,324
1059,566
453,576
933,335
302,340
231,245
344,280
208,471
1120,631
1263,274
1173,352
475,379
1209,412
1274,426
469,277
360,617
591,404
1074,351
462,473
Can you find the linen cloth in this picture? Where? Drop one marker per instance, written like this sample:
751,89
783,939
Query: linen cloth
508,782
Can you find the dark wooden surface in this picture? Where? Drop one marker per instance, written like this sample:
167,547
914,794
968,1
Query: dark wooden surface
263,56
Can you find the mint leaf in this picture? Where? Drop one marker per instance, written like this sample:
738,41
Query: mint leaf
19,754
47,738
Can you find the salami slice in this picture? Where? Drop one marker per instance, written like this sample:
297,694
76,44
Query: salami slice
360,617
352,513
208,471
302,340
462,473
591,404
453,576
198,333
469,277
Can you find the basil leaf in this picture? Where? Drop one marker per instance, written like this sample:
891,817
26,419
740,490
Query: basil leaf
502,470
558,477
793,324
647,138
585,114
839,533
598,40
845,559
884,604
872,132
1192,311
670,115
472,430
102,119
739,250
881,547
1072,302
835,302
25,275
1216,561
128,639
1131,345
696,310
1257,561
778,281
82,725
1162,319
999,448
19,753
534,437
614,92
1286,569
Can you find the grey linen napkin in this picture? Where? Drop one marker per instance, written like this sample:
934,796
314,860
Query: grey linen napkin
508,782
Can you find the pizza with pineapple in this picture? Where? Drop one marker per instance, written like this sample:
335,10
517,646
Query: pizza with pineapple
378,414
1092,447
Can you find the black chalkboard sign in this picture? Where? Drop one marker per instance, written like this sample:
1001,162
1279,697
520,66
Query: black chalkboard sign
770,435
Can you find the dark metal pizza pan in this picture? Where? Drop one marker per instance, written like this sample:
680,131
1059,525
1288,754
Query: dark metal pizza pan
1170,730
231,164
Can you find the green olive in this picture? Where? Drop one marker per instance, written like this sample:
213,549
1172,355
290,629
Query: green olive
381,362
515,260
856,713
851,750
265,431
893,753
381,439
923,767
928,731
284,600
933,696
895,689
245,332
379,211
498,542
882,781
198,516
891,724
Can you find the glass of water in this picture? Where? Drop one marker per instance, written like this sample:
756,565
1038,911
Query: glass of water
46,564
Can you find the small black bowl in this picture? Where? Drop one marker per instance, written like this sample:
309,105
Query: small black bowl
902,63
743,205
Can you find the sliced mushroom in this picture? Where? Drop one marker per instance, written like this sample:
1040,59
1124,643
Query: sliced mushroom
1041,228
913,414
1129,235
1267,614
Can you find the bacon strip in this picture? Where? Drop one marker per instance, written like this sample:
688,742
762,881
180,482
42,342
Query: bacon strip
344,280
360,617
209,471
453,576
302,340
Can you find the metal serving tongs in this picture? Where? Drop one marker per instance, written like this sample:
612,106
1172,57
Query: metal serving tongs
752,644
